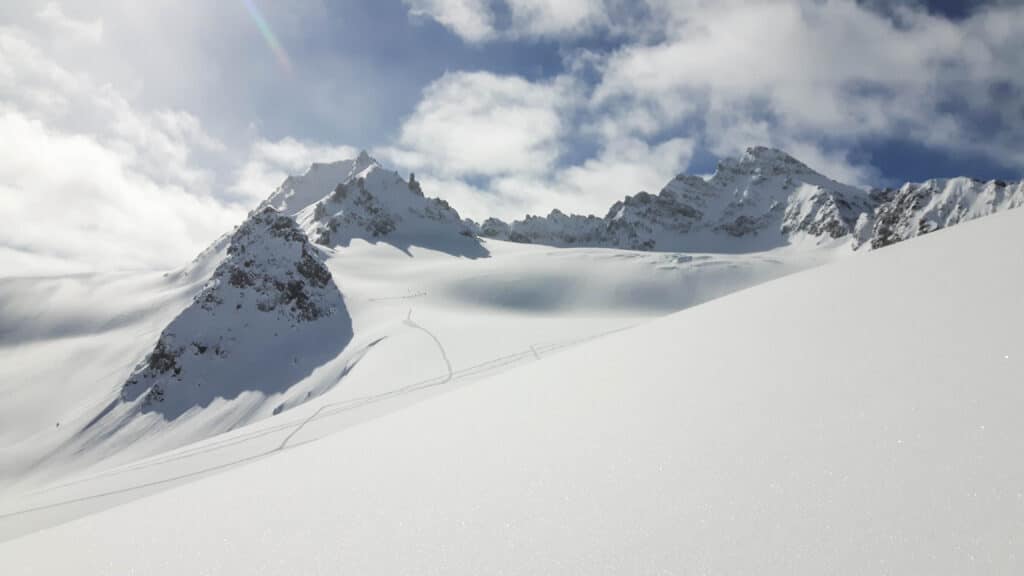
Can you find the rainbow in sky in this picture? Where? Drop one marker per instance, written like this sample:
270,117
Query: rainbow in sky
268,34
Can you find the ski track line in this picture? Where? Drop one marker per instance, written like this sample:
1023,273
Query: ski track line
326,410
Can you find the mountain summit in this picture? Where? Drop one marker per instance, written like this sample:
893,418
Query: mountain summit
765,199
760,201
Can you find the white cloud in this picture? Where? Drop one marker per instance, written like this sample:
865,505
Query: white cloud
92,182
485,125
796,74
817,76
470,19
506,135
72,203
53,15
476,21
546,18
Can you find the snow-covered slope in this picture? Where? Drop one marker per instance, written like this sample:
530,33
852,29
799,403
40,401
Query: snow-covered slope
279,313
769,432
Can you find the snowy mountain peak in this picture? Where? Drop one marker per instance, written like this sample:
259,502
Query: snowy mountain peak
269,298
919,208
298,192
762,200
764,161
364,160
376,204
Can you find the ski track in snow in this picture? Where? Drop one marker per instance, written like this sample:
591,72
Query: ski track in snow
535,352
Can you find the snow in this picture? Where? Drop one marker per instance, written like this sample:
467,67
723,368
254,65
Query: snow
298,192
219,344
860,417
482,308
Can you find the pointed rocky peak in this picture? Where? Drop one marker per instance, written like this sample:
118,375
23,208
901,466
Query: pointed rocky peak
362,162
272,291
378,204
762,161
298,192
916,209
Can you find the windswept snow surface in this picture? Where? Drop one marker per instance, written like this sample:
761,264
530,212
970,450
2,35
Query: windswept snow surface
482,309
859,418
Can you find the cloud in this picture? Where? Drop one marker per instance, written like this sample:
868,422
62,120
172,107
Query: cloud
53,15
483,124
72,203
545,18
477,21
794,74
493,145
818,76
94,183
472,20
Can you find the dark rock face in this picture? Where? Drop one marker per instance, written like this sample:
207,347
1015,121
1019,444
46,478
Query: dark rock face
764,199
377,205
918,209
367,215
272,290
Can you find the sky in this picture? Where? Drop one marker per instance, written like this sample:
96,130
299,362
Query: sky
132,134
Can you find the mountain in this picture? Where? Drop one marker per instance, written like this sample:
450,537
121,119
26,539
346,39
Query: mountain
784,429
349,282
377,205
764,200
271,312
916,209
298,192
268,316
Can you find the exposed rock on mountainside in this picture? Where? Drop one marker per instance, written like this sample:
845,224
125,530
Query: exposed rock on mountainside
250,327
375,204
763,200
299,192
270,313
916,209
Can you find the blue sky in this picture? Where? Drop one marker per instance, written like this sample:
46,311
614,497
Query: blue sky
147,129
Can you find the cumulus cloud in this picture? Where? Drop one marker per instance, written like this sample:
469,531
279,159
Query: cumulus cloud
507,135
795,73
478,21
483,124
90,181
815,77
73,203
470,19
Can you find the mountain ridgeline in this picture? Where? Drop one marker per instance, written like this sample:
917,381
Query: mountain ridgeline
763,200
269,292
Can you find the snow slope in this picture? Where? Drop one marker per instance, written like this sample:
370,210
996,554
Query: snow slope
481,308
861,417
